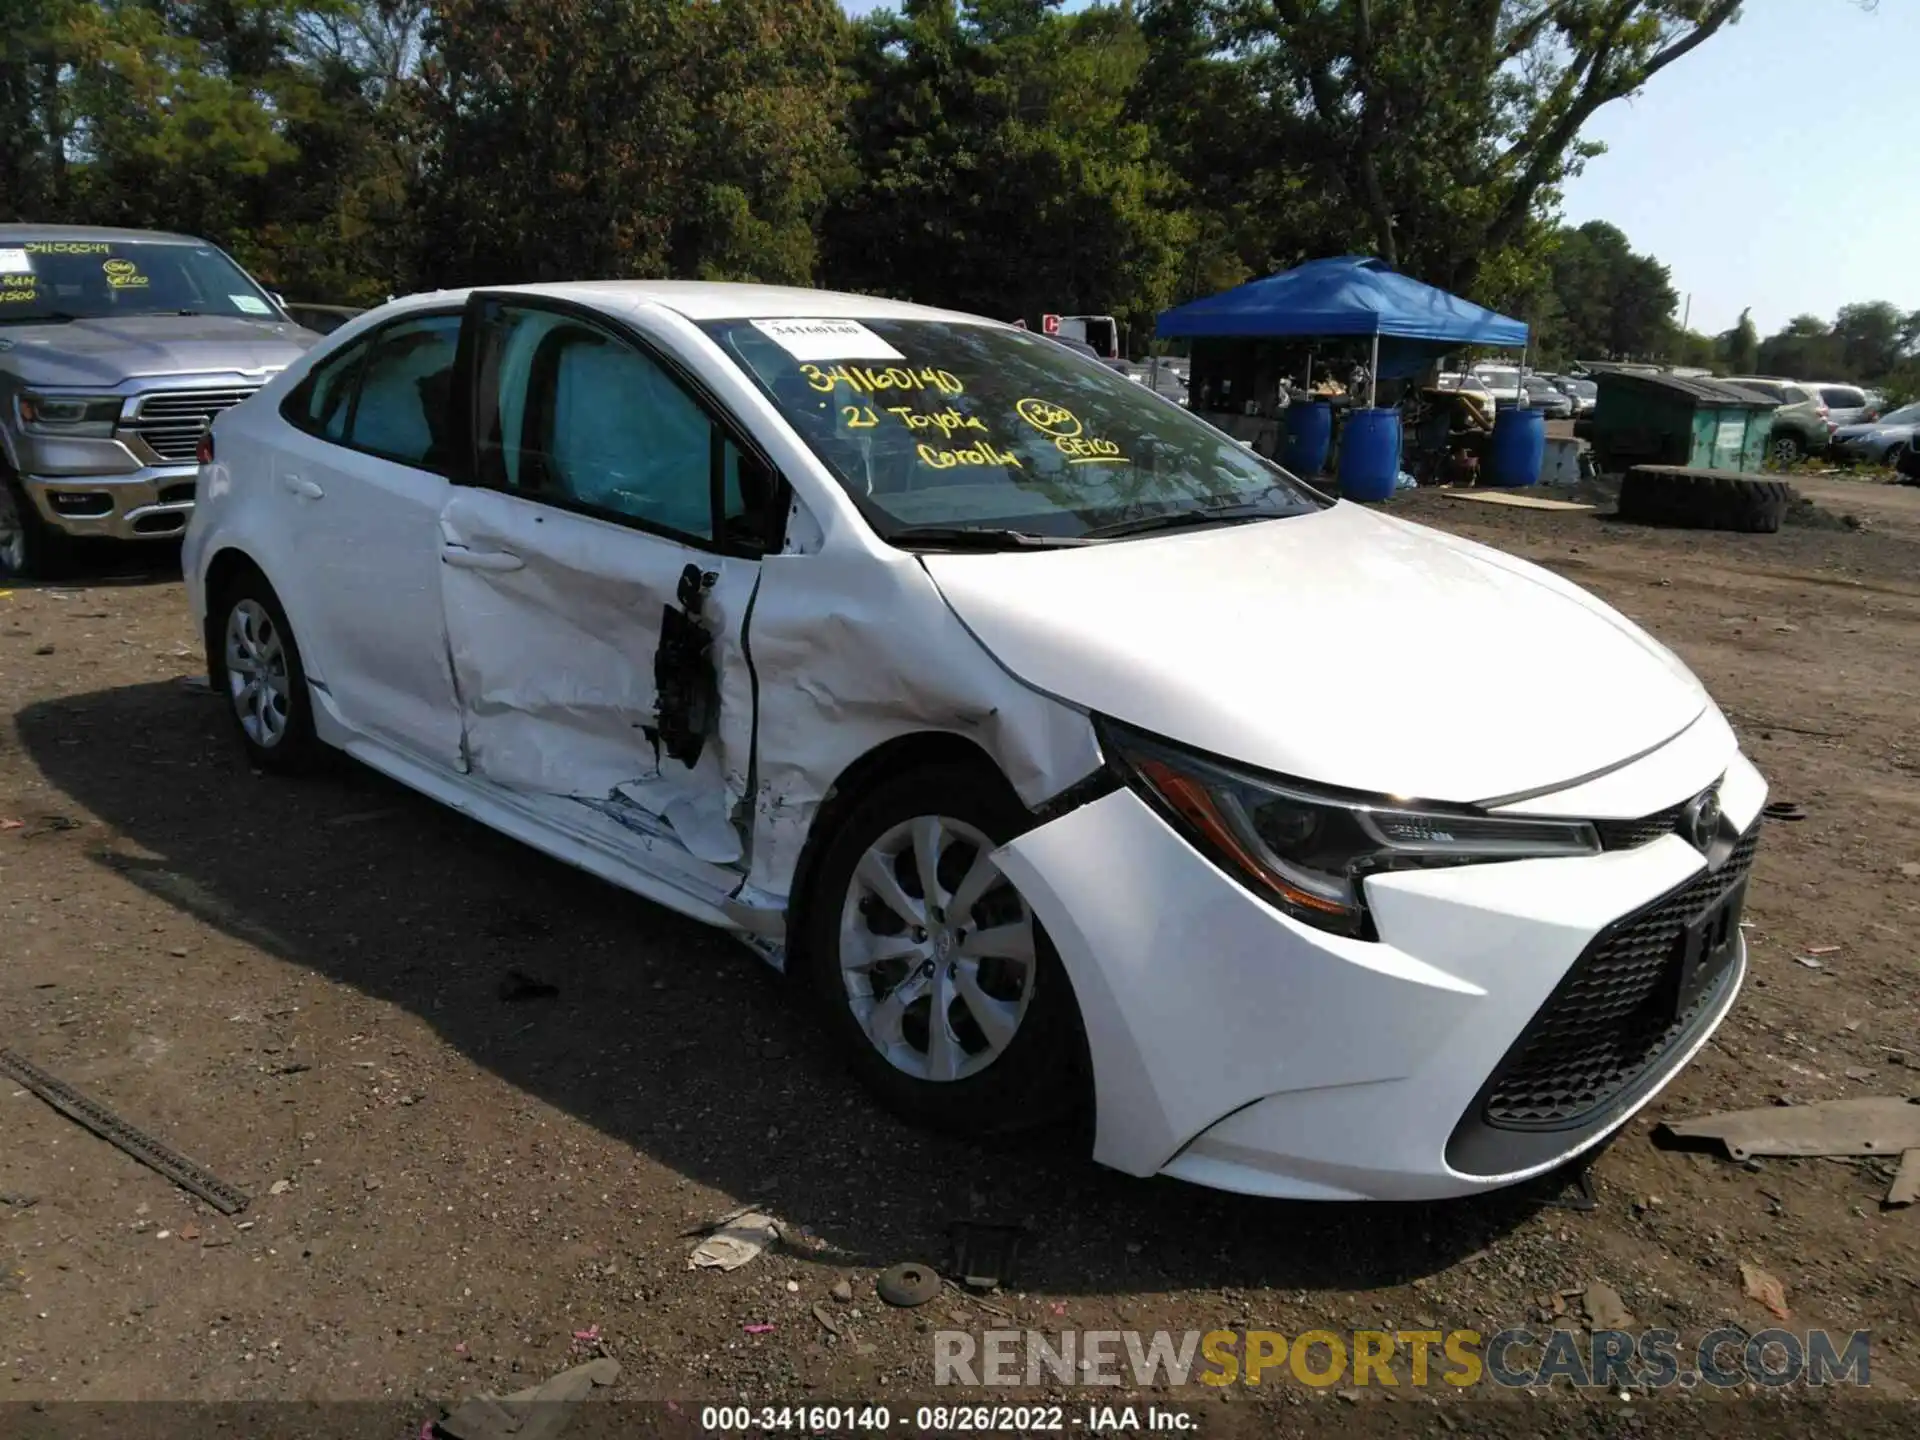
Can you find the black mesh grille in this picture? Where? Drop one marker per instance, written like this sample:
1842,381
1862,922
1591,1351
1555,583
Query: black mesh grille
1630,834
1612,1016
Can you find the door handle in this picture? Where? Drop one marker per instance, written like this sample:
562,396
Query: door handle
465,559
305,489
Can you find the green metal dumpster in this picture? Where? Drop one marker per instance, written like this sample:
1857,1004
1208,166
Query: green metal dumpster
1652,418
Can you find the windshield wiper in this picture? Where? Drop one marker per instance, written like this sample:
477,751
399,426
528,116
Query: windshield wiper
1187,519
969,537
44,317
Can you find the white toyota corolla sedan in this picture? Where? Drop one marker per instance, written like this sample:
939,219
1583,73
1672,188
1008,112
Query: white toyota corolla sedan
1069,752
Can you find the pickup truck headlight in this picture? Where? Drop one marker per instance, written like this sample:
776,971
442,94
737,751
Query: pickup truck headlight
89,417
1307,850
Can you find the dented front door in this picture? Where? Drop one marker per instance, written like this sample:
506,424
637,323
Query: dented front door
594,620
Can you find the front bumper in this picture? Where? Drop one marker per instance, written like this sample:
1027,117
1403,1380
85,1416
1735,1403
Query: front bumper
151,503
1234,1047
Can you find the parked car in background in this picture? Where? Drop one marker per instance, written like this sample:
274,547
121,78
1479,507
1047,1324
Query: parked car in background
1800,425
1554,402
1846,404
1501,381
1583,392
844,625
321,319
116,348
1878,442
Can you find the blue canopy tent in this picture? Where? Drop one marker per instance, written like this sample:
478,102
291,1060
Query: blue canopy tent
1410,324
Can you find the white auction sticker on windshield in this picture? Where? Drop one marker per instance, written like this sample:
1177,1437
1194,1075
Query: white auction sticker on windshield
827,340
15,262
252,304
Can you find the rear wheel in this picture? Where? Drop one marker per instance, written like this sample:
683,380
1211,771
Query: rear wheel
30,548
1785,449
930,968
255,662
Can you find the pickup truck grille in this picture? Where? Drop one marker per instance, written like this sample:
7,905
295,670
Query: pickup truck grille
172,421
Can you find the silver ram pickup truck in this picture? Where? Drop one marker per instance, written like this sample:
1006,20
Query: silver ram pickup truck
117,348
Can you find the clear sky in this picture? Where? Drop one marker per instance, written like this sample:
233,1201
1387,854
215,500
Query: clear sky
1774,167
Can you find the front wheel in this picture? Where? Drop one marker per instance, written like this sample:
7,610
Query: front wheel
930,968
255,663
1786,449
30,548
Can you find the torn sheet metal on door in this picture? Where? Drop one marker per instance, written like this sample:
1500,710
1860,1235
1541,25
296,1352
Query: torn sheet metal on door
555,662
850,656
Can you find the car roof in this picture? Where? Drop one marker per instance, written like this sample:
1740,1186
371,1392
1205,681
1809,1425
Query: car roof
714,300
16,230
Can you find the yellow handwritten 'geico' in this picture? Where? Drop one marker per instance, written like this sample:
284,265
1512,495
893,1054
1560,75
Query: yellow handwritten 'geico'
981,454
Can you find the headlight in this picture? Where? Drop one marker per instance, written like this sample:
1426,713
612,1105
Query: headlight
78,416
1308,850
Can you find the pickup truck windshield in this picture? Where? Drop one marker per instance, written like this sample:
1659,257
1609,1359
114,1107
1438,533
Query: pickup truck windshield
944,426
53,280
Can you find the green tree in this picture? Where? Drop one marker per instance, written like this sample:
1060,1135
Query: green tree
589,138
997,167
1431,132
1613,304
1740,346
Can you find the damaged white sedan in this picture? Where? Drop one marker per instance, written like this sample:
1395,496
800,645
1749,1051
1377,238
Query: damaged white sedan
1069,752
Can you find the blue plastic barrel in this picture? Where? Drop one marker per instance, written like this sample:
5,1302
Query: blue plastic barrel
1370,454
1519,446
1309,434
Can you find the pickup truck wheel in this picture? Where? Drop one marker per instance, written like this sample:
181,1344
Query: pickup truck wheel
255,664
30,549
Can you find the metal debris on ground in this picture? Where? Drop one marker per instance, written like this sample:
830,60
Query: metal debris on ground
983,1254
518,985
1905,1189
907,1284
1763,1287
826,1320
734,1240
192,1178
14,1200
1870,1125
536,1414
1783,810
1810,962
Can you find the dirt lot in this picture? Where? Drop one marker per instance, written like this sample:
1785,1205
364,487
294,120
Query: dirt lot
298,984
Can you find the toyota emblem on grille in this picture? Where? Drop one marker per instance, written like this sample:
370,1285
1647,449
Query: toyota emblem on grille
1700,821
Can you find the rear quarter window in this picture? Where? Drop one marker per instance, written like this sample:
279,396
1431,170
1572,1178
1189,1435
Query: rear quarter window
1841,398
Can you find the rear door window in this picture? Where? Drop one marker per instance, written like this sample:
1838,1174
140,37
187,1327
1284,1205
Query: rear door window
404,408
1839,397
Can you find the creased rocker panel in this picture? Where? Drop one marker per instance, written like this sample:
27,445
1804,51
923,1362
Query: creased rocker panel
811,688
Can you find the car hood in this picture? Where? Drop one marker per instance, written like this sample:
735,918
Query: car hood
1873,430
1343,647
111,351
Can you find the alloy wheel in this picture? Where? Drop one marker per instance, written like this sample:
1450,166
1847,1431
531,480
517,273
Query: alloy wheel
13,534
936,950
257,681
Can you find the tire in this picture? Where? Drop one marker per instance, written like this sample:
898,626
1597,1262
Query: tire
30,548
1784,448
1894,453
1704,499
1035,1077
268,701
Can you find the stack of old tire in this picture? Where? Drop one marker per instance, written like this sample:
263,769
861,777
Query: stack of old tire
1704,499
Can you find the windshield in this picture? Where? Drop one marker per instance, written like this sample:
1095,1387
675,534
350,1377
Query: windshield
1498,379
1905,415
932,423
1585,389
51,280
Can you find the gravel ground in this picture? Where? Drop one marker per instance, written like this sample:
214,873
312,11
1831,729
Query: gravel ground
298,985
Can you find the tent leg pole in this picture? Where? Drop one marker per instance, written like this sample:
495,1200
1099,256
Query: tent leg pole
1373,373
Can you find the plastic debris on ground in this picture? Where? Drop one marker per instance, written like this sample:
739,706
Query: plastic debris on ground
1763,1287
535,1414
735,1240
